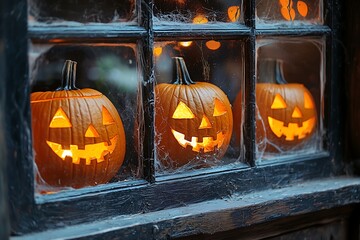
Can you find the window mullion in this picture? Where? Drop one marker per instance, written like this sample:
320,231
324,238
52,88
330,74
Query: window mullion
249,88
148,95
250,104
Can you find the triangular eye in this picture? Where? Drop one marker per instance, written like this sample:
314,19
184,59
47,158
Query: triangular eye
107,118
308,101
60,120
278,102
219,108
182,111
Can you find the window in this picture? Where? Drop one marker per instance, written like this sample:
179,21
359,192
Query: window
239,53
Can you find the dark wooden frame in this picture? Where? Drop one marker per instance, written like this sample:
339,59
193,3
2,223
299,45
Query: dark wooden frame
4,215
29,214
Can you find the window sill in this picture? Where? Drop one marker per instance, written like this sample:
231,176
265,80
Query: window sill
220,215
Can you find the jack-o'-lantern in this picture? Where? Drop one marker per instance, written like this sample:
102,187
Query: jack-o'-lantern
286,113
193,120
78,135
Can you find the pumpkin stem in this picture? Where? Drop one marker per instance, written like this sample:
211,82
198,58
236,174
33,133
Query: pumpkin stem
180,72
68,76
271,71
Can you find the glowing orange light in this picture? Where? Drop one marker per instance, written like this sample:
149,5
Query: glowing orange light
157,51
185,44
233,13
57,40
293,129
302,122
219,109
213,45
302,8
278,103
91,151
287,10
205,123
181,2
200,19
288,13
60,120
91,132
308,101
297,113
286,3
182,111
208,144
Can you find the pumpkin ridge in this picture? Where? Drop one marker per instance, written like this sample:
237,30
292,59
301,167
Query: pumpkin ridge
189,94
213,91
50,133
67,97
199,96
71,107
91,117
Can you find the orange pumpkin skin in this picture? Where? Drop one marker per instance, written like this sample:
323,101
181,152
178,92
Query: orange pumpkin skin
205,135
92,123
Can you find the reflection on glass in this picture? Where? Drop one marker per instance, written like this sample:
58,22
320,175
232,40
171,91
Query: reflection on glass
81,11
289,12
288,96
83,131
197,122
198,11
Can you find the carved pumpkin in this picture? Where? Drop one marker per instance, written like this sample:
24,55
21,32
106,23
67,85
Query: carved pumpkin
193,120
78,135
286,113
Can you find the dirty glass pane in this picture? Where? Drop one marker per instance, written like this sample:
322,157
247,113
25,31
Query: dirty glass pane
81,11
197,11
83,132
289,95
290,12
196,84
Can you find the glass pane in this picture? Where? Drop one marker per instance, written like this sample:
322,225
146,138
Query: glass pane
290,79
293,12
83,114
81,11
197,11
193,97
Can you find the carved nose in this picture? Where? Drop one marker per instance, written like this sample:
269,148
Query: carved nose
296,113
91,132
205,123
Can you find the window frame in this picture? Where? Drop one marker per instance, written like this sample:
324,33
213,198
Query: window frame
31,214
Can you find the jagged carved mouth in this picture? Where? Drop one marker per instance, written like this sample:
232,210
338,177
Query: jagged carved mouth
208,144
91,151
292,130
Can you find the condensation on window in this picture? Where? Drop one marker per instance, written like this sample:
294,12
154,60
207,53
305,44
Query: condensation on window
196,84
77,12
197,12
289,96
64,157
275,13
